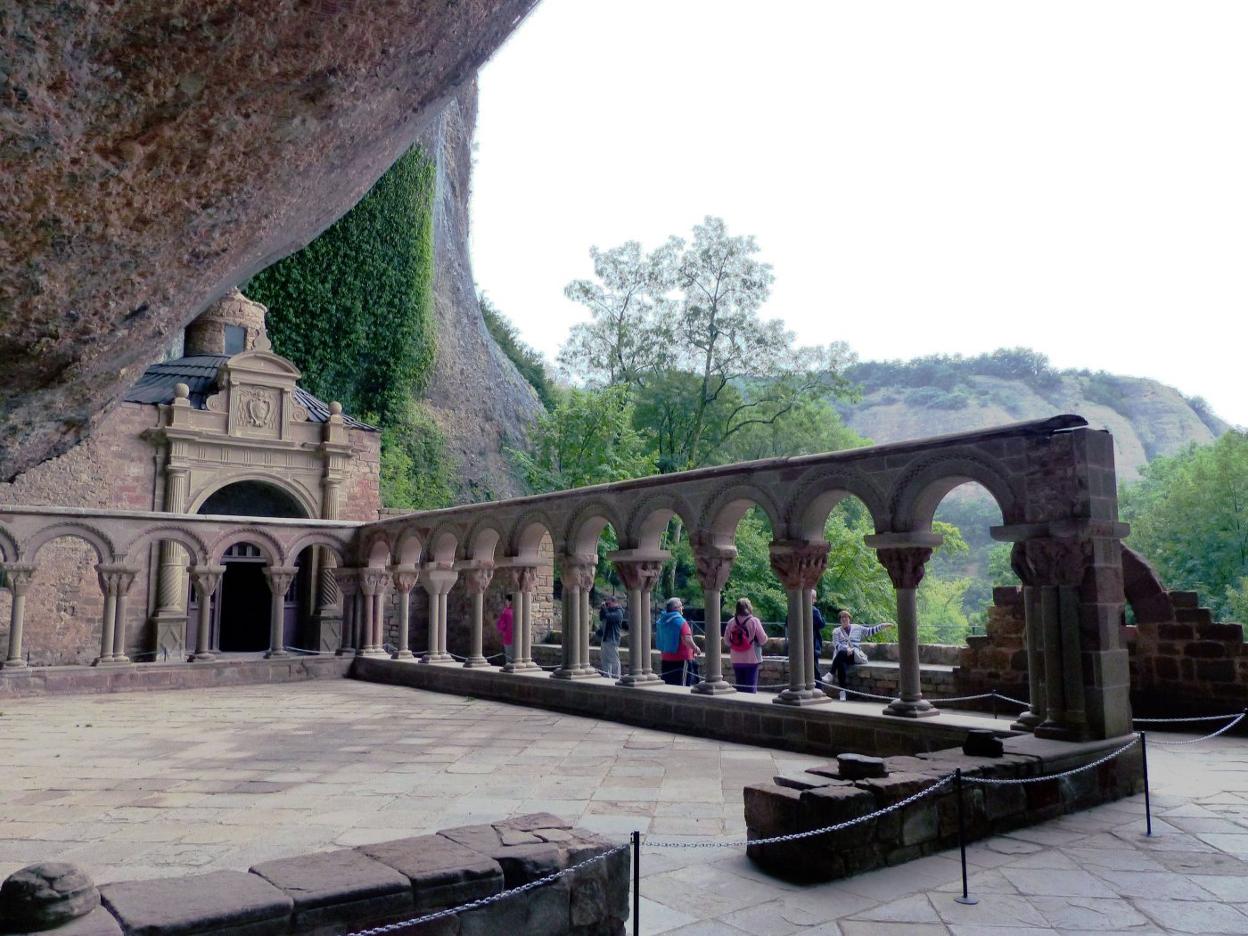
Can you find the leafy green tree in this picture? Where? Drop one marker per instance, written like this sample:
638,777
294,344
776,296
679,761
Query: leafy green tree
415,473
588,438
1189,518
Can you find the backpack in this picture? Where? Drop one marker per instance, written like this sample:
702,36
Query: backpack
739,637
669,632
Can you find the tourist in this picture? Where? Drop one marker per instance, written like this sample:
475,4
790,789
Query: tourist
676,646
611,620
745,646
846,652
820,624
506,630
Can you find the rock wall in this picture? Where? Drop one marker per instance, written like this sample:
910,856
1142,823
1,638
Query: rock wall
158,152
476,395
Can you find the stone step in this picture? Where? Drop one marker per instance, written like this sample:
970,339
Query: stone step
1185,599
1226,633
1197,616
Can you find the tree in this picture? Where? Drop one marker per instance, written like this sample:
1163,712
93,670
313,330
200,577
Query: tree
588,438
1189,518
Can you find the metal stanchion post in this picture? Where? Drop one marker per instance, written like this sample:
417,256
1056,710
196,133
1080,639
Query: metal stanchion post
966,898
994,704
636,883
1148,806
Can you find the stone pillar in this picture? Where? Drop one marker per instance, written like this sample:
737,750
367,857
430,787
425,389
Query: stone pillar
1033,641
638,573
19,577
170,617
523,579
327,619
348,582
405,579
906,565
799,564
373,582
578,580
714,566
437,580
279,579
205,580
477,579
115,582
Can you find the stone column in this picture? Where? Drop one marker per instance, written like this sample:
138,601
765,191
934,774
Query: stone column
799,564
1033,640
115,582
405,579
638,575
578,579
437,580
477,580
327,620
205,580
19,577
170,617
523,579
373,582
714,566
347,580
279,579
906,565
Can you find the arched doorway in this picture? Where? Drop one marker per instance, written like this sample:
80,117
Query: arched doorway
242,606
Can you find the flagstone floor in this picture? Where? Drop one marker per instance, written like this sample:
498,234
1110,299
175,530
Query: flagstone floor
165,783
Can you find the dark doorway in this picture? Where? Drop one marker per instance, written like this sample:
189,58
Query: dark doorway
245,607
252,499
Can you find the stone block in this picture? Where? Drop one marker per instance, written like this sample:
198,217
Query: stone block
981,742
1185,599
1226,633
442,873
806,781
1216,670
894,787
221,902
831,805
99,922
1200,617
1007,596
860,766
1205,649
771,810
919,822
44,896
338,887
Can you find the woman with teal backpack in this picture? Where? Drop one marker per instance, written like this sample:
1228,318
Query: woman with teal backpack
676,647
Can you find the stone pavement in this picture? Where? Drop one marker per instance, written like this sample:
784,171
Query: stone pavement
153,784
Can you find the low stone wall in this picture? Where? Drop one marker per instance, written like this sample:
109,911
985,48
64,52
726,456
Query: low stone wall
139,677
739,717
353,888
824,796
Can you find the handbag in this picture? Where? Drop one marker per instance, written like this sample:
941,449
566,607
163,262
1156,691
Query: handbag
859,656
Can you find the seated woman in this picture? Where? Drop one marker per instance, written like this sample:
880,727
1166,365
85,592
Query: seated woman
845,640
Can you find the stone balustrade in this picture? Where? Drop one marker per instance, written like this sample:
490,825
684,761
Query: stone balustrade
1052,479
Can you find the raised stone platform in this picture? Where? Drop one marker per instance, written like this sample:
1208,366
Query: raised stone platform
827,729
353,888
233,670
825,796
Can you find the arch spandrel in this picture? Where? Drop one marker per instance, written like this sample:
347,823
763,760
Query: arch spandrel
649,518
194,545
9,551
725,508
338,545
375,548
273,551
526,534
444,543
922,486
583,530
105,552
408,546
482,541
305,500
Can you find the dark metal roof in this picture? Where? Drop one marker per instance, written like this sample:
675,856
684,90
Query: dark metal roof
199,372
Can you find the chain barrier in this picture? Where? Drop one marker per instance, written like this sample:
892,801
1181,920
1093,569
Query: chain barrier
1195,718
1222,730
793,837
992,781
310,652
486,901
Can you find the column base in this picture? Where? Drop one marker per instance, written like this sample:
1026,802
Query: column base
201,657
1058,732
12,666
1028,721
919,708
403,655
437,658
640,679
276,654
796,697
718,687
376,652
112,661
569,673
477,662
818,696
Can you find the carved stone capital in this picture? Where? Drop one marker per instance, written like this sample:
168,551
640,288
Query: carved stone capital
522,578
438,580
799,564
374,581
477,578
1052,561
905,564
578,572
348,580
115,580
638,574
404,578
279,578
714,565
205,580
18,576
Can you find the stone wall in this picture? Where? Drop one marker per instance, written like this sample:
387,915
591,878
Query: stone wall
361,489
998,658
114,469
354,888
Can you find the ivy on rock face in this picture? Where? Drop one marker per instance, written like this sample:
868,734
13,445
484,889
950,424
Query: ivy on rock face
354,311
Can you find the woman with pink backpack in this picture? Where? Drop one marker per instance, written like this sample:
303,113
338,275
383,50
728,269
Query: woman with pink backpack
745,637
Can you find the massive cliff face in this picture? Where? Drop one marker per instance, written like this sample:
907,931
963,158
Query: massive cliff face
158,152
475,393
1146,418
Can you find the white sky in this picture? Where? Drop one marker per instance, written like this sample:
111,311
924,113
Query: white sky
924,176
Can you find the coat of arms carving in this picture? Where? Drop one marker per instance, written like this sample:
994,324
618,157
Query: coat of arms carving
256,408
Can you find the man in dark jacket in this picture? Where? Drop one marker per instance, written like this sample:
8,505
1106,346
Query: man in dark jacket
819,626
612,618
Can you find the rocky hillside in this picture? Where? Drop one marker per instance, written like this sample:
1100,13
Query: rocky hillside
932,396
475,394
